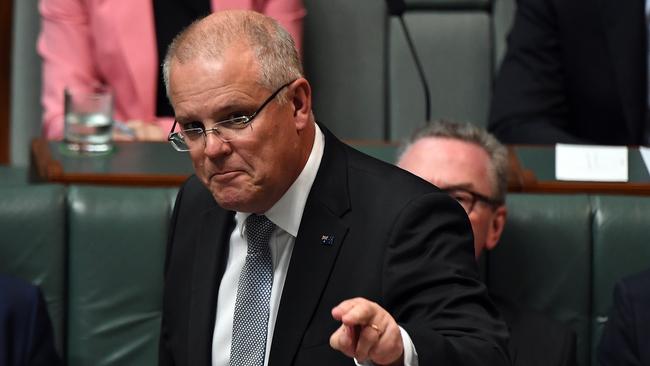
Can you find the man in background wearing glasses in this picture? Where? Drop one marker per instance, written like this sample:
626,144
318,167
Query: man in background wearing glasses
472,166
290,248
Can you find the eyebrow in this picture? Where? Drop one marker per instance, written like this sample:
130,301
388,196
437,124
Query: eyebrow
463,186
217,114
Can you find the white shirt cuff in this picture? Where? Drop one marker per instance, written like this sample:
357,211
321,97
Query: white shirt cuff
410,354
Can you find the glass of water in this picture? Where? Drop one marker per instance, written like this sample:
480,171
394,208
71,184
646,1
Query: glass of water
88,119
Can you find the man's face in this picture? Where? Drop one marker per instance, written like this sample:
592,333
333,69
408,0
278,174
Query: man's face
253,171
450,163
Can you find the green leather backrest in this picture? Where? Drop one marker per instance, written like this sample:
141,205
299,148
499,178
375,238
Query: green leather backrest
12,176
543,260
98,256
345,61
32,243
117,240
621,247
365,83
455,49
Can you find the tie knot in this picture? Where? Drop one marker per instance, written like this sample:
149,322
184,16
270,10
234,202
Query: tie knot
258,232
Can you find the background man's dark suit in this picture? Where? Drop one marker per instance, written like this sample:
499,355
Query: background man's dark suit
398,241
626,335
536,339
574,71
25,329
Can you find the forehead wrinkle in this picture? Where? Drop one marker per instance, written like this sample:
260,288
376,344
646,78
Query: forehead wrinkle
215,102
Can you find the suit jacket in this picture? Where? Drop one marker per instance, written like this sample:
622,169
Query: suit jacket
574,71
25,329
626,335
535,339
398,241
84,42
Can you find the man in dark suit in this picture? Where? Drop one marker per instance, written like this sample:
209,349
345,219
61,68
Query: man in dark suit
26,337
472,166
367,261
575,71
625,338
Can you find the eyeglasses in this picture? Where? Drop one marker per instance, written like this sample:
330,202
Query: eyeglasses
468,198
227,130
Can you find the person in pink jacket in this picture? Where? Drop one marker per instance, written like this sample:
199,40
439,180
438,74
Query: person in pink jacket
117,43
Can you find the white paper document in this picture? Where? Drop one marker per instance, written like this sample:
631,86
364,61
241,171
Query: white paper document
591,163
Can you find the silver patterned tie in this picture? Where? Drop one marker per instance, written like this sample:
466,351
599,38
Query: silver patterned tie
251,317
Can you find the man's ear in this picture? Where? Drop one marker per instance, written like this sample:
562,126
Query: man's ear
496,227
300,94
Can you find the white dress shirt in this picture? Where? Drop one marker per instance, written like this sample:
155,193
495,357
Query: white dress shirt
286,214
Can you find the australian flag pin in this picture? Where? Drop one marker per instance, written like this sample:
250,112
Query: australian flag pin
327,239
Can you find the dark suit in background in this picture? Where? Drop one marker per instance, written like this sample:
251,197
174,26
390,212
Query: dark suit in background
536,339
25,328
398,241
626,336
574,71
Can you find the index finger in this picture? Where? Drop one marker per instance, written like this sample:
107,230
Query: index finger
356,311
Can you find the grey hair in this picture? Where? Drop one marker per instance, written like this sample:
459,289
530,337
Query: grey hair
209,37
470,133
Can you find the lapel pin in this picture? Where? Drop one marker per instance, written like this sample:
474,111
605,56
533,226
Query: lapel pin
327,239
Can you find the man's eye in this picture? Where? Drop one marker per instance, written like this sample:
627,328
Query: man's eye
236,116
192,125
235,121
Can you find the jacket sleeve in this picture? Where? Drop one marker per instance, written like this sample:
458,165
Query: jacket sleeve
618,343
529,103
42,351
430,261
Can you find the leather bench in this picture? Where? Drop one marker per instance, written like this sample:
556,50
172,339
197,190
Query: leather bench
98,254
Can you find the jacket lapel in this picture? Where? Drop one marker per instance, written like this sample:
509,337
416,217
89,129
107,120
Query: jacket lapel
320,237
625,31
209,265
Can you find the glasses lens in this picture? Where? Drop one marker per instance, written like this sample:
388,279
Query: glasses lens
464,198
232,129
178,142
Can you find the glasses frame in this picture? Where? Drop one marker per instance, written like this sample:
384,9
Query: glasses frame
244,121
476,197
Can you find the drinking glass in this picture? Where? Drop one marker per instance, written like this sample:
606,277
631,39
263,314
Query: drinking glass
88,119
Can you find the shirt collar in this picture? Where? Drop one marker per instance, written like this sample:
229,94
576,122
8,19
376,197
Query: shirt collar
287,212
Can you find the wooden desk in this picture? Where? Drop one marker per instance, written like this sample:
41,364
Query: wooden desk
137,163
131,163
534,168
531,168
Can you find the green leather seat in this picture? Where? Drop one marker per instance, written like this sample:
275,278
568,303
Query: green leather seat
12,176
117,239
98,252
345,61
543,260
621,247
32,244
454,44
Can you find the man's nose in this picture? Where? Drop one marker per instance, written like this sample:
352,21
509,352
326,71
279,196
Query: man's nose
215,146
